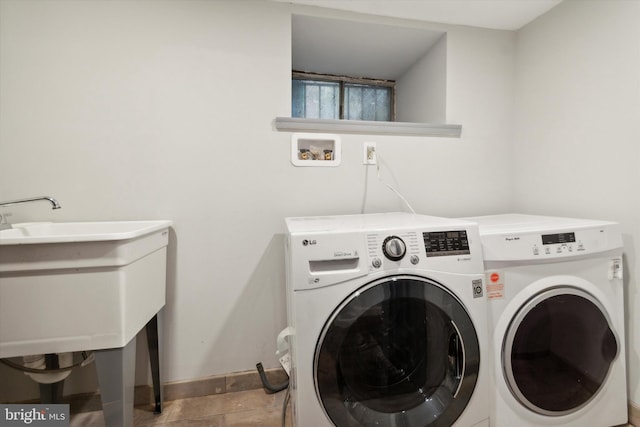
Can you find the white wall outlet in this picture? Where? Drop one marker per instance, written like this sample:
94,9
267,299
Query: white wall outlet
369,153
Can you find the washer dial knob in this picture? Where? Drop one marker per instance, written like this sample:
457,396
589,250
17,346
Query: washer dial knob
394,248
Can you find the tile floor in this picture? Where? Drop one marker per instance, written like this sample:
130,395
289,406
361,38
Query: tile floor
243,408
239,409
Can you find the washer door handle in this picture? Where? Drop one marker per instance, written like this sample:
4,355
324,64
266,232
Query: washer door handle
456,356
609,346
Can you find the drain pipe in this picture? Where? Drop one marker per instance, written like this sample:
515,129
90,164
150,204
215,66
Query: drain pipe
267,385
285,360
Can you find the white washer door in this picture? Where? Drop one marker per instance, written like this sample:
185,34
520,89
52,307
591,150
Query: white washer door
558,350
400,351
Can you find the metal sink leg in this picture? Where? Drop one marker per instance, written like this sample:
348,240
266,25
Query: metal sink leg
116,376
154,342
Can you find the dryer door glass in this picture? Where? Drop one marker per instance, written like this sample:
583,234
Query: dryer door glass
558,351
401,351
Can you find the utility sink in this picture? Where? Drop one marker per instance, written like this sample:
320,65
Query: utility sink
79,285
63,232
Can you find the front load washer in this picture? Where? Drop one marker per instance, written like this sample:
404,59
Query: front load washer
556,311
388,321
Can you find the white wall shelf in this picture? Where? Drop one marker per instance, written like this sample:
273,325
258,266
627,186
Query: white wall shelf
294,124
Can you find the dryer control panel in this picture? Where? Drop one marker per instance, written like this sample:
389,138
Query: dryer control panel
520,237
550,245
559,243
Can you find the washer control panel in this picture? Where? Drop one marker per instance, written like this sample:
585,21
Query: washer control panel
394,248
409,248
398,247
443,243
326,250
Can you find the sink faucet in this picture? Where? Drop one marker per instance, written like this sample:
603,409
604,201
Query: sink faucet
54,202
4,225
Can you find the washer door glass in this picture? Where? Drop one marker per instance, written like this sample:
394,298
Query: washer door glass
401,351
558,350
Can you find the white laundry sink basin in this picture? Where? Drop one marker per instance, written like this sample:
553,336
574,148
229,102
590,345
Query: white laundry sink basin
79,285
56,245
62,232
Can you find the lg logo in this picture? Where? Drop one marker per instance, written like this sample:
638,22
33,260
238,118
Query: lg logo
306,242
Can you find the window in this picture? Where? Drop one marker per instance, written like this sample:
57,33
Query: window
410,61
323,96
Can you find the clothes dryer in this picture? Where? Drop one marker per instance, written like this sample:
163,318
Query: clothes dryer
388,314
556,311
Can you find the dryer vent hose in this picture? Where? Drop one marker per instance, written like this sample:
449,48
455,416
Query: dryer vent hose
267,385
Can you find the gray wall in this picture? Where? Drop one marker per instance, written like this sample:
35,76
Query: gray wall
144,110
577,132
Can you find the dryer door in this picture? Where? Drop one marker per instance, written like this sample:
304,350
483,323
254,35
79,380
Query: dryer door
401,351
557,351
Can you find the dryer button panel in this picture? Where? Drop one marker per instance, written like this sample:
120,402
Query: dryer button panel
559,244
551,244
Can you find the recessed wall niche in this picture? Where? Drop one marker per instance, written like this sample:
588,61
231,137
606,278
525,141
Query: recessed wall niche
414,57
